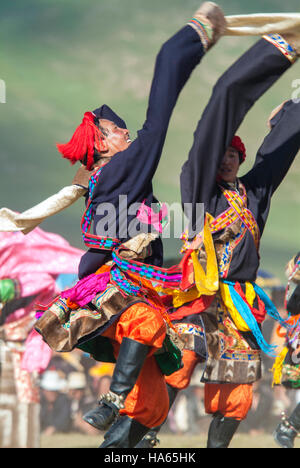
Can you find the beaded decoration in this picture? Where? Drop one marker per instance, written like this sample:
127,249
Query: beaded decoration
90,240
290,279
285,48
204,31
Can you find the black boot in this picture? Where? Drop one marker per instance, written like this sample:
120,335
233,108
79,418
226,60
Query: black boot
221,431
150,440
130,361
288,429
124,433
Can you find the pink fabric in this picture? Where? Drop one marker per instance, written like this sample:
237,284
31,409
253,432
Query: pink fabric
146,215
86,289
36,260
37,354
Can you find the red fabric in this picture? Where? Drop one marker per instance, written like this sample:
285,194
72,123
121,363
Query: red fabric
187,267
141,323
237,144
231,400
195,307
148,402
86,137
181,379
260,313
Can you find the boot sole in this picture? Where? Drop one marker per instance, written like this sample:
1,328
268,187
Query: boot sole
278,442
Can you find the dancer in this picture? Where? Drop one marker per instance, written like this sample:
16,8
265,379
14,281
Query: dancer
286,368
103,314
221,315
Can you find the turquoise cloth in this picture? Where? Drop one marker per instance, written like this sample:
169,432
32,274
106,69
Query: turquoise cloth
249,318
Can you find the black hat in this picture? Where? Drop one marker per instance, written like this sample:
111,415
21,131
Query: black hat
105,112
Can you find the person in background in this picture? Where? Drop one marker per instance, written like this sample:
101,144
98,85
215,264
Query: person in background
81,402
55,413
287,365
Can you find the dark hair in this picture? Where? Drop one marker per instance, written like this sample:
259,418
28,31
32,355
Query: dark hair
97,156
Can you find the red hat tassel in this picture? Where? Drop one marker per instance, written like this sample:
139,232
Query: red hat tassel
86,137
237,144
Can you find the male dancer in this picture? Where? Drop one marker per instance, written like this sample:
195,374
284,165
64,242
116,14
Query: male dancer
128,325
286,367
227,332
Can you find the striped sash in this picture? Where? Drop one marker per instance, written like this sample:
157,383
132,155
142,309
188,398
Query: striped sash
237,210
93,241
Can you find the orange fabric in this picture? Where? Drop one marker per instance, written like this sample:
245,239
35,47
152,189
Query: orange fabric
103,269
141,323
157,302
231,400
195,307
181,378
148,402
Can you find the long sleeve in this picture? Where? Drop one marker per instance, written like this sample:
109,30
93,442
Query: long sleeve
278,150
129,173
274,159
233,96
130,170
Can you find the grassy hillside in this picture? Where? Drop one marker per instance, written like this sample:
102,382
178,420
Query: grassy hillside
60,58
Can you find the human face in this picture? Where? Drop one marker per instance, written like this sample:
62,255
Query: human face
117,139
230,165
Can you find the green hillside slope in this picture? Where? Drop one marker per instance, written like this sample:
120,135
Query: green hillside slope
60,58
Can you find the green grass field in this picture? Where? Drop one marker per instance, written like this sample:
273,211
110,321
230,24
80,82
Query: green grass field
166,441
60,58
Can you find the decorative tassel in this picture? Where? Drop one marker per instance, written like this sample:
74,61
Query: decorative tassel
85,139
237,144
277,367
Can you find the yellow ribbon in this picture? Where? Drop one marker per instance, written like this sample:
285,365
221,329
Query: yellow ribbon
229,305
205,283
277,367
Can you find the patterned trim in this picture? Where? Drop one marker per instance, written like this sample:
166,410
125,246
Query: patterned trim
60,309
238,209
226,256
91,240
189,329
241,355
285,48
164,276
204,31
291,375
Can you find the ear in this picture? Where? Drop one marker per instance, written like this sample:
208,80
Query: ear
101,145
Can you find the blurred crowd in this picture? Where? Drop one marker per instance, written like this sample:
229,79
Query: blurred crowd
73,382
71,387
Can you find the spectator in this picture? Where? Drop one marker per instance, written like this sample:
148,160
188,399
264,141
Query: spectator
55,405
81,402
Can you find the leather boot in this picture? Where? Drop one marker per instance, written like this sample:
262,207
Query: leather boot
124,433
150,440
288,429
221,431
210,23
130,361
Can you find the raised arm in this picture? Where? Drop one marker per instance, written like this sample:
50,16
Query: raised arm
174,64
277,152
234,94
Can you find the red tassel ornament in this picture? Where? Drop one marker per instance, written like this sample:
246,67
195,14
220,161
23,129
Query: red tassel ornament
86,138
239,146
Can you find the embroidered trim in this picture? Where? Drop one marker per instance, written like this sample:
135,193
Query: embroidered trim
238,209
285,48
204,31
